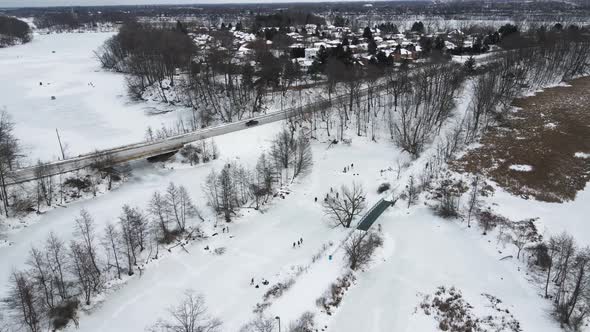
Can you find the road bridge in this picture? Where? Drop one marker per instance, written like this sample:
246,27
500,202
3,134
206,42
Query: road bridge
168,145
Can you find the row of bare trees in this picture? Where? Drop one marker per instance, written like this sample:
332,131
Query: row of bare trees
47,189
518,71
150,56
567,280
414,103
60,275
422,104
235,186
219,82
14,31
10,153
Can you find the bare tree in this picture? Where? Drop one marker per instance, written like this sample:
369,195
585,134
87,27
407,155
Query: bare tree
260,324
572,307
411,192
224,189
473,202
104,164
305,323
346,205
359,248
134,231
302,160
264,178
425,106
57,261
187,208
45,186
189,316
525,232
82,267
111,241
180,205
173,202
282,149
553,247
9,155
23,301
41,277
85,229
447,193
159,209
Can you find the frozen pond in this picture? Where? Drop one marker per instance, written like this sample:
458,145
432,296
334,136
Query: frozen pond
91,107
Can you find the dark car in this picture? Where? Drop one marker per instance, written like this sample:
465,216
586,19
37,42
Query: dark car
251,123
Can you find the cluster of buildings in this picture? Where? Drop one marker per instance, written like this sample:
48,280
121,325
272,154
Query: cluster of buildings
396,46
306,42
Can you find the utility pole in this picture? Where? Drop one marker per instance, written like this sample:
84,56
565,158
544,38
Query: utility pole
279,319
63,155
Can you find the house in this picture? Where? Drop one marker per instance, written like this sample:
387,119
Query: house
400,54
304,63
310,53
449,46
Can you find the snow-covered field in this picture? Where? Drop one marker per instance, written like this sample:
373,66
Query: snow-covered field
421,251
91,109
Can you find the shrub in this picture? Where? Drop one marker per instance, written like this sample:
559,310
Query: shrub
360,247
23,205
77,183
383,187
278,289
191,153
333,296
63,313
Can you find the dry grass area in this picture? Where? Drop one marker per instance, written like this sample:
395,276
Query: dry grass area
545,133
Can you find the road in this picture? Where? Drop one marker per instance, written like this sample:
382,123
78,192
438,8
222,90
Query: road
160,147
174,143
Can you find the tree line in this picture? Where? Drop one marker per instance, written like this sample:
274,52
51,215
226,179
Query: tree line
285,19
14,31
61,276
70,20
211,80
235,186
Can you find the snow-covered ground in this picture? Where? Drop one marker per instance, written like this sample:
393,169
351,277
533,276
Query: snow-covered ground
261,246
421,251
430,252
91,109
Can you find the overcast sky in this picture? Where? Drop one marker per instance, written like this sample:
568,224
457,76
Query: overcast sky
47,3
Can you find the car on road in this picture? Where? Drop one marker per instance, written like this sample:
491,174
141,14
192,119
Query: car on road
251,123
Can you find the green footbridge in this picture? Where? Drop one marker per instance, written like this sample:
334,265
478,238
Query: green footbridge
369,218
366,221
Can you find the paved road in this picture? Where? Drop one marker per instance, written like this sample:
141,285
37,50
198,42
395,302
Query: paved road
171,144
